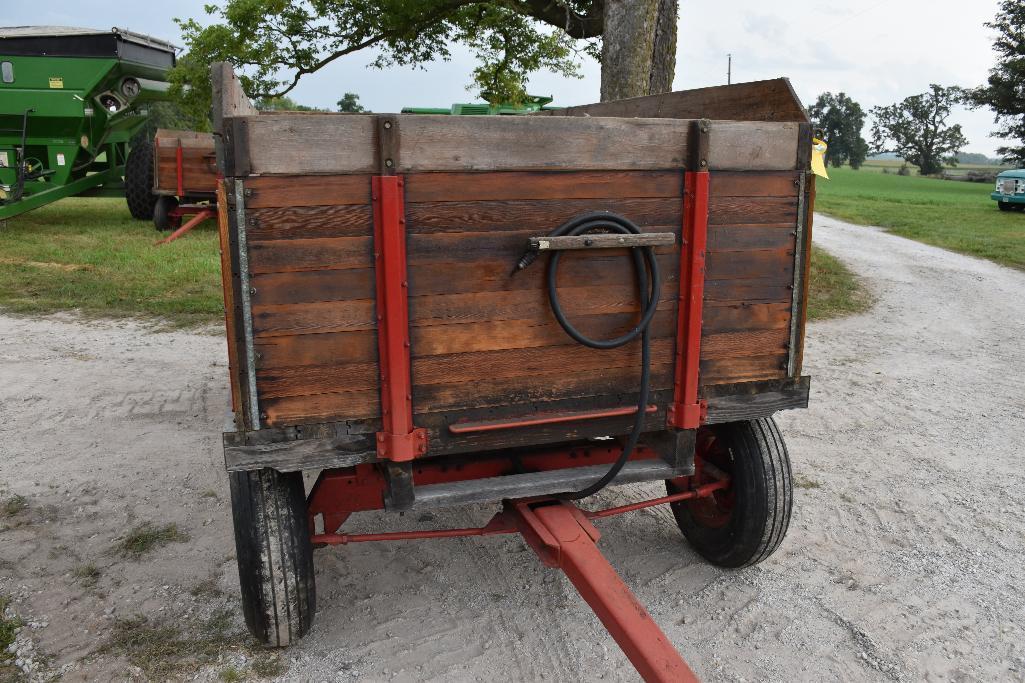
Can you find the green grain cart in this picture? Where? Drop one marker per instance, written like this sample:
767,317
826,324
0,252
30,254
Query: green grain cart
71,99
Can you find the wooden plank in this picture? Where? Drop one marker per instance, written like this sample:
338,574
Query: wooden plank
312,286
528,304
228,290
316,349
752,146
302,222
752,400
543,216
547,387
753,184
777,265
288,144
332,316
724,370
303,454
229,100
749,291
293,410
330,190
602,241
189,139
361,346
464,369
740,317
773,237
729,345
283,256
317,379
606,268
770,100
537,185
337,316
529,363
486,143
752,210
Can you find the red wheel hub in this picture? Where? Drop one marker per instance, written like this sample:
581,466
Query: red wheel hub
712,511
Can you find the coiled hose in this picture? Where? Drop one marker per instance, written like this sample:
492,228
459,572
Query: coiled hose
649,285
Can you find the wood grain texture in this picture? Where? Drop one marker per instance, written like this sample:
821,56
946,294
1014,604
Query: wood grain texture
752,146
537,185
284,256
751,210
542,216
291,144
291,191
297,222
753,184
769,100
745,317
744,368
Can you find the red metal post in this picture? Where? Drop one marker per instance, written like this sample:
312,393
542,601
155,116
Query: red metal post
399,440
687,412
179,162
563,538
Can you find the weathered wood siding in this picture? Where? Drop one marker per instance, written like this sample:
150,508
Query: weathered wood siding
199,165
481,338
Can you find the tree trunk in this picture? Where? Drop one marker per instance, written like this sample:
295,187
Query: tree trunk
638,48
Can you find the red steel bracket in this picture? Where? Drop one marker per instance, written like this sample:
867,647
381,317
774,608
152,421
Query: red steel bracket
687,411
399,440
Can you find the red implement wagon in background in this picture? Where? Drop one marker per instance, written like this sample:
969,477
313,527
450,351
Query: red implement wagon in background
430,311
184,180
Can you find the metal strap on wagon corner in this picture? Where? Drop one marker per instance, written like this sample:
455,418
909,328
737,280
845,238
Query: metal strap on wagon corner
795,295
247,304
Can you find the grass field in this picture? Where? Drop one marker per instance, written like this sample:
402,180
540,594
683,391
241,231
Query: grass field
954,215
891,166
89,255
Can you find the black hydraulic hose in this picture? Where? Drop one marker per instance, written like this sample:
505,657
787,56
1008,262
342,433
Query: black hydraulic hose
650,287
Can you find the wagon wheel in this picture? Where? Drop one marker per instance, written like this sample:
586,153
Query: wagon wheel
275,558
162,218
139,181
743,524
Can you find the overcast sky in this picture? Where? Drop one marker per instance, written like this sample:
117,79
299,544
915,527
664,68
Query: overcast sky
877,51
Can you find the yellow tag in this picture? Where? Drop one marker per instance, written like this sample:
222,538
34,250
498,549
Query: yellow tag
56,82
818,158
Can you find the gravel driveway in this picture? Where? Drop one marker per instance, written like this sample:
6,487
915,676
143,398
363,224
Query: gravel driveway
903,562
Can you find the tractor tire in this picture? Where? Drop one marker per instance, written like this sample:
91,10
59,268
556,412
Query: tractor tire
162,218
139,181
745,523
275,558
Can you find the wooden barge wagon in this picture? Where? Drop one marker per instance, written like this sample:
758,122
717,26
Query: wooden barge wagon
388,328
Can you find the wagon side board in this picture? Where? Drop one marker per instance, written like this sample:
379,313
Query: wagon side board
483,344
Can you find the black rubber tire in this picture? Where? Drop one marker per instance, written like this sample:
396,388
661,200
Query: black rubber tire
139,181
755,457
162,219
1004,206
275,558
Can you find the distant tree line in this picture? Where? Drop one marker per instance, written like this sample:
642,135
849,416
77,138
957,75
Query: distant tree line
916,128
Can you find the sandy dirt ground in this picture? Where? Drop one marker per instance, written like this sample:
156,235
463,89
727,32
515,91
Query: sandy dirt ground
903,561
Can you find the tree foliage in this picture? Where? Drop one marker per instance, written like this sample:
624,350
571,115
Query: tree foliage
350,104
916,129
841,120
274,43
1005,88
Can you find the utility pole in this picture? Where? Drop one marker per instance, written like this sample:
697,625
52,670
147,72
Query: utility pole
729,68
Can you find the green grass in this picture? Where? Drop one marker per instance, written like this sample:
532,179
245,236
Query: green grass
90,255
172,649
954,215
146,537
835,290
8,630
